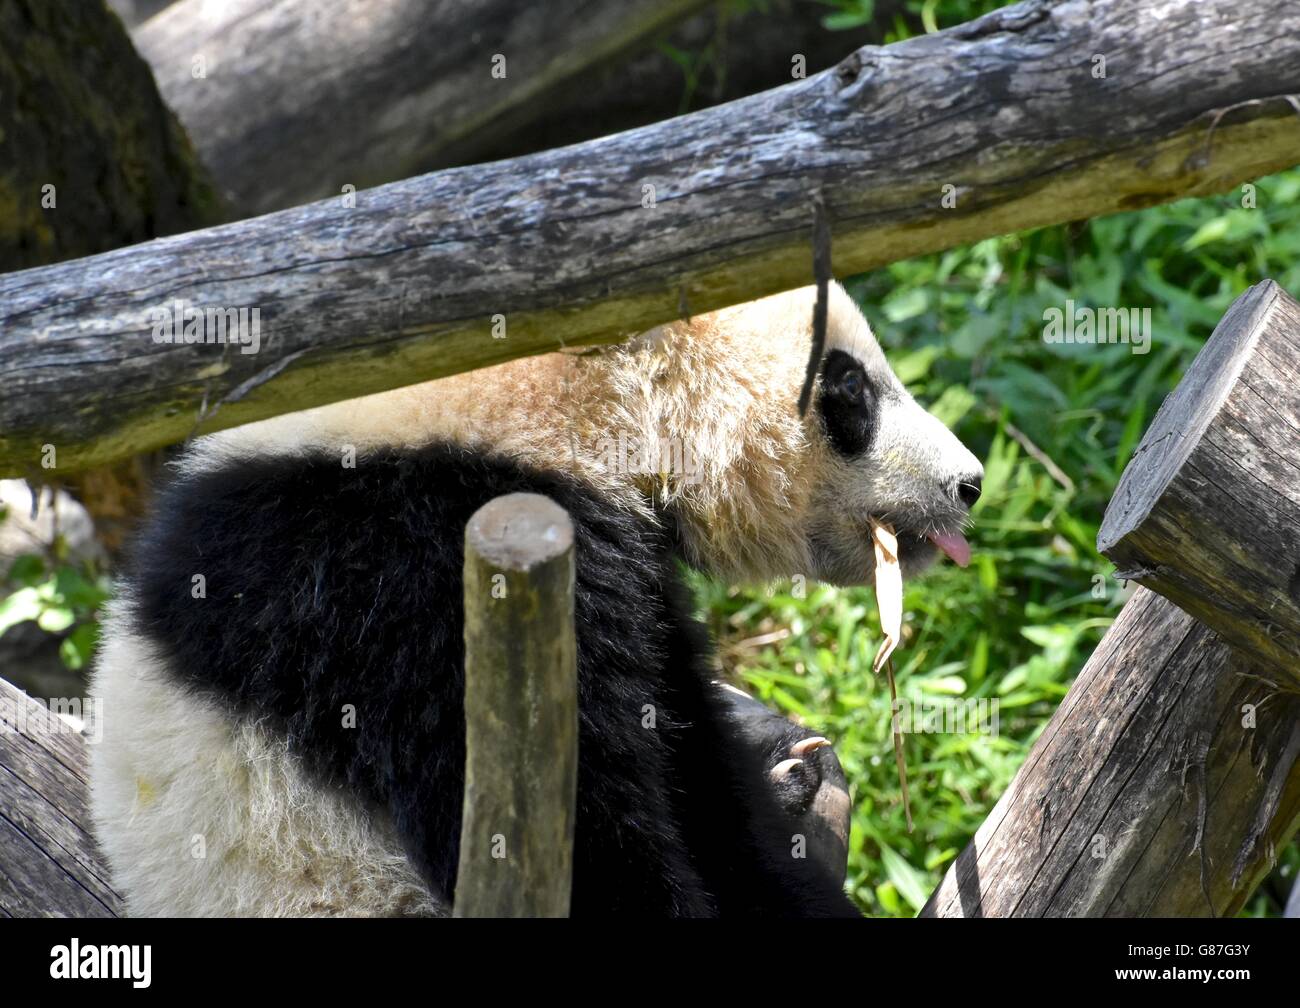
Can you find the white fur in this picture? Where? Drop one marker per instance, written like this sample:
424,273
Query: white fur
200,817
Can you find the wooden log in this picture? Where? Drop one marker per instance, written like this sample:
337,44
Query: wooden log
565,83
1207,513
567,246
49,864
92,158
332,92
1162,787
521,711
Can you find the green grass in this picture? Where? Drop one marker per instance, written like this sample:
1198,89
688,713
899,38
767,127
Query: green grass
963,330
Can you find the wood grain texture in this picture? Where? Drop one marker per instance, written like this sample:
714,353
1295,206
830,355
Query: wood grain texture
404,286
49,864
1207,513
521,711
1162,786
300,97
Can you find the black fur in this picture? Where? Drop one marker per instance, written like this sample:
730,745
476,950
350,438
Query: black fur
328,586
848,413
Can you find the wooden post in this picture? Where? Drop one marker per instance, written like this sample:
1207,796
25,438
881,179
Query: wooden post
521,711
49,864
1208,511
1162,787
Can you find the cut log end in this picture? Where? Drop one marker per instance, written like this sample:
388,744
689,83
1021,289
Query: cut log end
1186,414
1207,513
519,531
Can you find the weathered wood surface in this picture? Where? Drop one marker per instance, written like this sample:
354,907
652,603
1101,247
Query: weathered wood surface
1207,513
1162,787
80,113
302,97
559,246
521,712
49,864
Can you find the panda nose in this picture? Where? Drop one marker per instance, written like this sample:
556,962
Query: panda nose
968,489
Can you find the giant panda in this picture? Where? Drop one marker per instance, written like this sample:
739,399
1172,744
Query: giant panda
304,567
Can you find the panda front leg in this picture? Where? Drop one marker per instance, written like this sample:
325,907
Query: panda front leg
753,855
804,773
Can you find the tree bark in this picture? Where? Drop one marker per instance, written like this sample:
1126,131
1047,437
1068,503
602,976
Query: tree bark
1207,513
521,711
1162,786
92,159
591,243
298,98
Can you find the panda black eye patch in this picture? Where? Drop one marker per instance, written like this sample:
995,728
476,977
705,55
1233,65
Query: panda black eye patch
847,404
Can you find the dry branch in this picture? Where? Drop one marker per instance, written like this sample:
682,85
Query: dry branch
566,247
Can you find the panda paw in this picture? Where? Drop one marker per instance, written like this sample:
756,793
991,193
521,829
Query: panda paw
800,775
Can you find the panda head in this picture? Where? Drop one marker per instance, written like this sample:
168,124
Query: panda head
774,494
882,458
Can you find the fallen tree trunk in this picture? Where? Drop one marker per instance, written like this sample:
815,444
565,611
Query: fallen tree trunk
373,132
590,243
1207,513
301,97
1163,785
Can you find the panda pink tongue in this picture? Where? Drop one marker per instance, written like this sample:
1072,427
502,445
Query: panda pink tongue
954,544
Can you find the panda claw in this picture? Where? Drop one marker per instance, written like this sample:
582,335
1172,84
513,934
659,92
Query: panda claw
809,745
782,769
